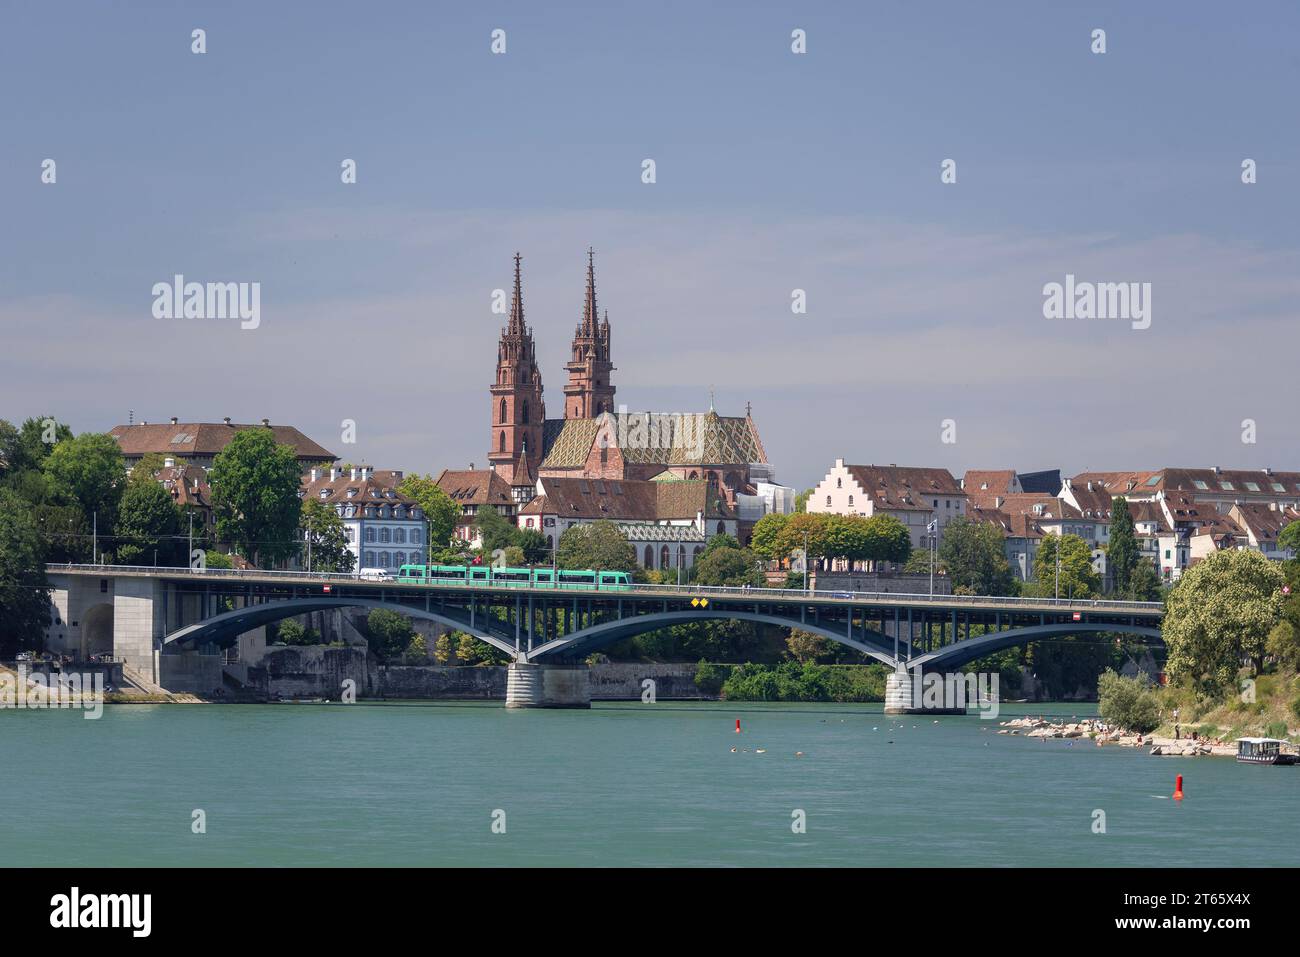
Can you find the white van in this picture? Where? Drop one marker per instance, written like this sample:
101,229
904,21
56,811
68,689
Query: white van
374,575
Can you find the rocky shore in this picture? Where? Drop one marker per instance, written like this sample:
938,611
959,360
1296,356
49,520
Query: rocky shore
1098,731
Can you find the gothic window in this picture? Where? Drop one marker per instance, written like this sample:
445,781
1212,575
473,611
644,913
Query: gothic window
503,442
649,556
681,556
663,557
503,411
525,411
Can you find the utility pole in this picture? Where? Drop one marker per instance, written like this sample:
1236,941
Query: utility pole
931,528
94,540
1058,566
805,561
190,551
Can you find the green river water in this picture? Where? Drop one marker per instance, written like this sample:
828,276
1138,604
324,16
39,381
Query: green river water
408,784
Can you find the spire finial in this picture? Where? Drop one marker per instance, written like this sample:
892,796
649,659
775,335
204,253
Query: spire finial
517,302
589,314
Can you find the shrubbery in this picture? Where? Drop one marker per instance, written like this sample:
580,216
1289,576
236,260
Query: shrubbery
1128,703
792,681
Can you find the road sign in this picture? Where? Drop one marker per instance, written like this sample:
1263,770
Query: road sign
327,588
699,603
1078,616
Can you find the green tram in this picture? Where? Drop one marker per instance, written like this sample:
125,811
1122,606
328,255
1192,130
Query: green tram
544,577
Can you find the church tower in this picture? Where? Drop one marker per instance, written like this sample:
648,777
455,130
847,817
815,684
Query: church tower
517,410
589,391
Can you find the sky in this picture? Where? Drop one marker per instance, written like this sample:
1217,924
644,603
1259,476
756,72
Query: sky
774,171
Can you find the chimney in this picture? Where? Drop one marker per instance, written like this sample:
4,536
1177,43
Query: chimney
174,420
334,473
315,474
353,473
1089,486
226,420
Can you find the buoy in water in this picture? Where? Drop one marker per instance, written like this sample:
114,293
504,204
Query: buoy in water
1178,788
737,726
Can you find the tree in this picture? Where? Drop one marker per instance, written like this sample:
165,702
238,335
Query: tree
975,555
1127,703
1289,537
89,470
472,651
727,566
495,529
1122,552
801,501
255,485
440,510
767,532
534,546
292,632
1221,611
802,530
1143,583
888,540
325,540
442,649
389,632
25,449
598,545
24,593
806,646
1078,578
1284,645
147,525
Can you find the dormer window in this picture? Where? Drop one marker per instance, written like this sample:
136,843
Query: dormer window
324,493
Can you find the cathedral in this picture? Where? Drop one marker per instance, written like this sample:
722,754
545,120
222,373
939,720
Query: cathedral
594,439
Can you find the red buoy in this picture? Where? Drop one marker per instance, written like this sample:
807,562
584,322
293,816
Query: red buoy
737,726
1178,788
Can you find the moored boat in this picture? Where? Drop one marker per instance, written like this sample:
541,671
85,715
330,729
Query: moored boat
1263,751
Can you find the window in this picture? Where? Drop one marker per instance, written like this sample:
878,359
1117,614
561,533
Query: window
384,559
399,558
415,536
385,535
503,442
399,536
663,557
839,483
1200,485
828,501
1252,486
649,557
850,499
370,559
524,417
370,534
502,417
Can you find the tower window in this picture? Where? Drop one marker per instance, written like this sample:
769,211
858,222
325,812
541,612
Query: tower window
503,441
503,411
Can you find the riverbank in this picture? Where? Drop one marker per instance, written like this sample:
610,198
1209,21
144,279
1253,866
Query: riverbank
1102,734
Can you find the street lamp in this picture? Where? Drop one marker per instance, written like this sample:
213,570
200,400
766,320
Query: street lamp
805,561
932,528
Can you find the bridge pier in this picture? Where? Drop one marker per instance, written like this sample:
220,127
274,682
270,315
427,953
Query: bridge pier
531,685
901,696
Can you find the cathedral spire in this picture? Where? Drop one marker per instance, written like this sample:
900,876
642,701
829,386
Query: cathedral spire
517,303
589,315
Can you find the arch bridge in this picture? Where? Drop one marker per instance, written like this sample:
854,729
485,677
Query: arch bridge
172,609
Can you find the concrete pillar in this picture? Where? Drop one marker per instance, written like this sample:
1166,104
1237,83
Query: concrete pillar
898,692
530,685
137,620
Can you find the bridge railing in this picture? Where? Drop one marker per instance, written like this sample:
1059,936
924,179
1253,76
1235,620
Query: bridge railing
704,591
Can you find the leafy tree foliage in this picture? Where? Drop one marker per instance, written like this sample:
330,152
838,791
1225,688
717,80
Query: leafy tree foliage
24,593
1122,552
1221,611
389,632
324,532
440,511
975,555
1128,703
148,525
88,470
1078,578
598,545
255,485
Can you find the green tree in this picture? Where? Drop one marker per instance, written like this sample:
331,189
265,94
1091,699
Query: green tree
292,632
1122,552
442,649
325,541
1221,611
89,470
802,530
801,501
495,529
25,448
975,555
255,485
1127,703
727,566
1078,578
534,546
806,646
766,534
888,540
1283,645
1289,537
440,510
24,592
598,545
147,526
389,632
1143,583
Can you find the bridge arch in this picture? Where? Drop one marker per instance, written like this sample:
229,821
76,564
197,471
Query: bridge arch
875,645
225,628
97,630
963,652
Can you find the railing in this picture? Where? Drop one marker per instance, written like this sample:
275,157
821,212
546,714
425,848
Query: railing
725,591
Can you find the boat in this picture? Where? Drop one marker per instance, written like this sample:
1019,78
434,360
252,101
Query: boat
1264,751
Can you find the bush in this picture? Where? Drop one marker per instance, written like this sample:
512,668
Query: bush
792,681
709,677
1128,703
1276,729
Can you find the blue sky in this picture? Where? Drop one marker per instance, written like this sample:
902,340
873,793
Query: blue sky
775,172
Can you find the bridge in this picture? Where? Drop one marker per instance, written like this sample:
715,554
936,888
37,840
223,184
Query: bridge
144,615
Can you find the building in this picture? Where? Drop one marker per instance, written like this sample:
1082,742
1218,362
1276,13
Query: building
384,528
595,440
668,521
197,443
916,497
473,489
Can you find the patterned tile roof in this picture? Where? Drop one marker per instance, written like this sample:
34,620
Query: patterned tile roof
655,439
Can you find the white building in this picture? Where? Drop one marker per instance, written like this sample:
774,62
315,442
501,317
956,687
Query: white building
384,528
914,496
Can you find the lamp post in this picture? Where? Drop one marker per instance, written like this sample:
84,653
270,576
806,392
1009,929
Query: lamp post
805,561
931,528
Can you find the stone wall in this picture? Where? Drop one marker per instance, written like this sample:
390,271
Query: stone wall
622,681
190,673
438,681
309,671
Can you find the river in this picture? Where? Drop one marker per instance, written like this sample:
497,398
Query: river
622,784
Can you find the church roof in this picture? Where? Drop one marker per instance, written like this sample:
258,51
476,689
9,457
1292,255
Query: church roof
655,438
